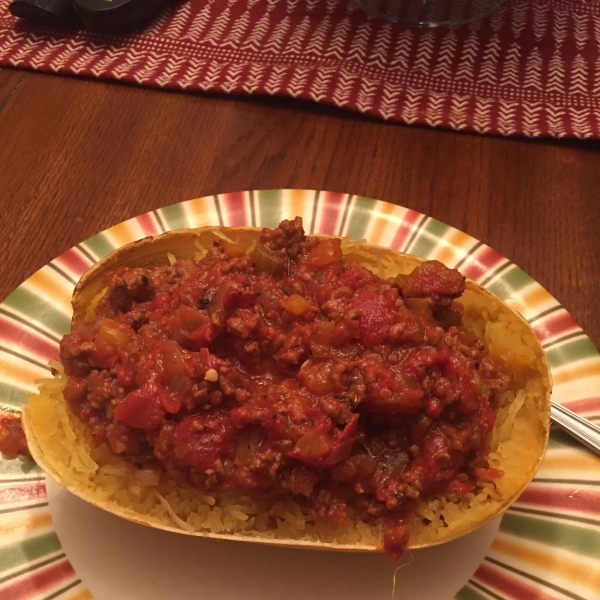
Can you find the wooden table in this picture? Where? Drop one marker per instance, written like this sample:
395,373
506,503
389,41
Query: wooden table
78,156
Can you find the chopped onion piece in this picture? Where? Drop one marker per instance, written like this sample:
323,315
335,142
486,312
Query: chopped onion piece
147,476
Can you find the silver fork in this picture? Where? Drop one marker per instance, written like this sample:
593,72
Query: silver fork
581,429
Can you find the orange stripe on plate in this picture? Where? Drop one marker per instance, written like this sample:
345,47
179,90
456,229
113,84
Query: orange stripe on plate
198,212
82,595
377,231
123,233
518,304
25,524
536,297
568,375
298,202
17,373
570,461
559,565
52,287
447,252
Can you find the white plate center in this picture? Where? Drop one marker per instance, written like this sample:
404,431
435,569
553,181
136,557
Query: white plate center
117,559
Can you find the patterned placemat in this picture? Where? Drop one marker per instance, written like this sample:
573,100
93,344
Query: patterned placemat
533,68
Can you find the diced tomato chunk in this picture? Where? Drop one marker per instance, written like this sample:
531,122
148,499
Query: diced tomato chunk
203,439
142,408
161,304
356,277
377,315
192,328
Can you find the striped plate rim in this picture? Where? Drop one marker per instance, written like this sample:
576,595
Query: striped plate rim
548,545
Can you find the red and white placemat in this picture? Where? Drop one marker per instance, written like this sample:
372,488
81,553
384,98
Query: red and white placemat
533,68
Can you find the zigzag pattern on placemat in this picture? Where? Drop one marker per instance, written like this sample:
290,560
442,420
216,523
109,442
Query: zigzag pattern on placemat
533,68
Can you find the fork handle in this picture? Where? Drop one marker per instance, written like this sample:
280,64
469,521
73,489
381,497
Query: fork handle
581,429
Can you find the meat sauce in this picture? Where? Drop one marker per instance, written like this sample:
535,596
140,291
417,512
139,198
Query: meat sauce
290,370
12,437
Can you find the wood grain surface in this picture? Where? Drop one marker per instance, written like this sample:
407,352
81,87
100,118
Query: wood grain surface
77,156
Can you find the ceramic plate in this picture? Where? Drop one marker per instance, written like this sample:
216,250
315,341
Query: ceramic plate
53,546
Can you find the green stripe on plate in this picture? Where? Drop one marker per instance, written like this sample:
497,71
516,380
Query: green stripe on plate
571,351
12,395
28,550
268,207
428,238
19,466
174,217
34,306
361,213
557,535
511,281
99,245
560,439
468,593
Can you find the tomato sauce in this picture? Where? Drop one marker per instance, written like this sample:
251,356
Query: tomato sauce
12,437
290,370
